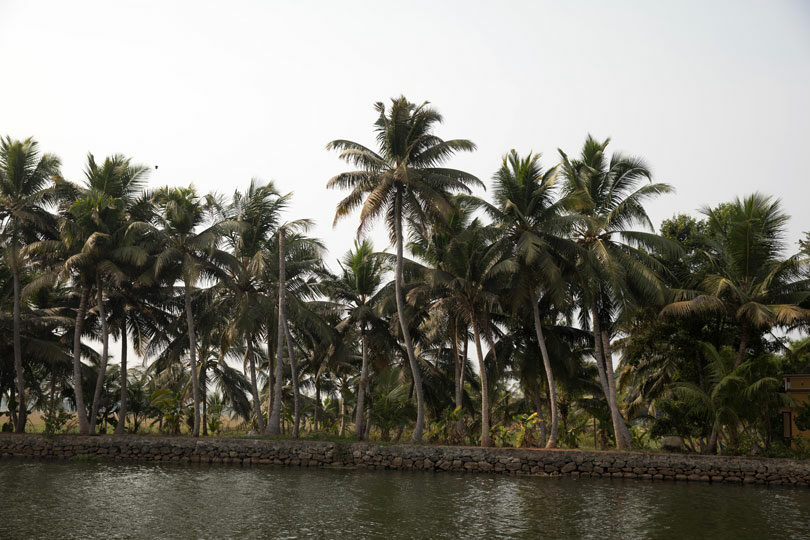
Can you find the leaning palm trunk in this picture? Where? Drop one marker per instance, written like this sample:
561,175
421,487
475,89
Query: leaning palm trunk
18,366
711,445
486,440
192,349
611,379
105,353
602,362
361,390
254,385
81,411
274,422
122,409
552,391
294,378
406,334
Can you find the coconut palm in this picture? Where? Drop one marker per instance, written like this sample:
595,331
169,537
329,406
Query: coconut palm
101,215
468,284
604,197
749,281
433,245
403,179
358,290
253,218
25,191
298,260
185,250
727,390
528,216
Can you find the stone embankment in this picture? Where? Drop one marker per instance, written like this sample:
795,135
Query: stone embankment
574,463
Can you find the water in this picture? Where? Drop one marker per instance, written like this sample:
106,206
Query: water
113,500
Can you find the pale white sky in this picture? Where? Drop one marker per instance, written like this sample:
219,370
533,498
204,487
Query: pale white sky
715,95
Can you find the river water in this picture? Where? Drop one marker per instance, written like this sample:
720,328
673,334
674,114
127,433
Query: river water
41,499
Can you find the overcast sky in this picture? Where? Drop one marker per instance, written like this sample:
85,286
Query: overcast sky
715,95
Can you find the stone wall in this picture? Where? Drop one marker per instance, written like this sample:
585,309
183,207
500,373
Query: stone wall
575,463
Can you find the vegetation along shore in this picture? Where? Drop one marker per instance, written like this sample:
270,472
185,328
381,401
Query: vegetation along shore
540,308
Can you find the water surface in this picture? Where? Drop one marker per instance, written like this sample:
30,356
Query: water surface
40,499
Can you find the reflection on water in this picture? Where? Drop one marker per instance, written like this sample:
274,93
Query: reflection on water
111,500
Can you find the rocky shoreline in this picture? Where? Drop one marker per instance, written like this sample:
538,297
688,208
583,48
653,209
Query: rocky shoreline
538,462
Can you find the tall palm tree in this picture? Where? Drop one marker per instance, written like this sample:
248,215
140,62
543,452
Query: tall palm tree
25,191
528,215
186,247
469,284
102,217
605,199
298,260
433,245
403,179
358,289
254,217
749,281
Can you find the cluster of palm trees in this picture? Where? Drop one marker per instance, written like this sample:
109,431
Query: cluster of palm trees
547,281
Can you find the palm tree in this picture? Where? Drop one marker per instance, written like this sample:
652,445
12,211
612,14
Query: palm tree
298,259
358,289
749,281
253,218
529,217
468,284
102,217
403,179
433,245
25,191
185,251
727,390
605,198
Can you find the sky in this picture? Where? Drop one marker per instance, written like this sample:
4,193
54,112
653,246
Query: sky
714,95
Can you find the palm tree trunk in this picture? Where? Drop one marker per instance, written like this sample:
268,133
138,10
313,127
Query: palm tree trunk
192,350
105,352
711,445
458,366
204,397
552,391
460,362
403,323
611,378
122,410
486,440
274,422
361,389
81,411
743,346
316,413
294,378
271,363
19,372
254,385
538,405
601,365
12,410
342,430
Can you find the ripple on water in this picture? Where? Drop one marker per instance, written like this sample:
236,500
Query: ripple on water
112,500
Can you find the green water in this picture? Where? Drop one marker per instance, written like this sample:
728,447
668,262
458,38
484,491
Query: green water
111,500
